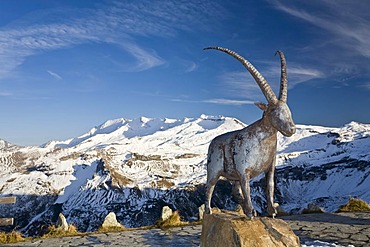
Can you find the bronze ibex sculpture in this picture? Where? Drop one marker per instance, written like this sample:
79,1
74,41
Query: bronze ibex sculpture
243,154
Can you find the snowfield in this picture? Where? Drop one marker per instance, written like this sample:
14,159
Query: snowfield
135,167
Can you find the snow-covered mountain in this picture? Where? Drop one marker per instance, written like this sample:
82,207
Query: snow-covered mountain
135,167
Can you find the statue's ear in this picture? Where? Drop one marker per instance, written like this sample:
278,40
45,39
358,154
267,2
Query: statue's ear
261,105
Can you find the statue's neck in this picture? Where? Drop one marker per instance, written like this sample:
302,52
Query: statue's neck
266,125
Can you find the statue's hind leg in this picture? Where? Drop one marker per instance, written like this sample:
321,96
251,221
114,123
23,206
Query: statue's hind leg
269,175
237,192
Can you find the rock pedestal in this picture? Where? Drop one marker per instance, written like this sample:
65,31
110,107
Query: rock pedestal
234,229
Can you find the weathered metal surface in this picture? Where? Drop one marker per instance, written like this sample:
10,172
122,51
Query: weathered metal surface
243,154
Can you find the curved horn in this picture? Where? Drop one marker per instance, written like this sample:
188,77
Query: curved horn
261,81
283,79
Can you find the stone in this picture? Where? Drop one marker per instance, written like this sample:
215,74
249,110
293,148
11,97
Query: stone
111,221
359,237
312,208
62,223
166,213
201,211
281,211
235,229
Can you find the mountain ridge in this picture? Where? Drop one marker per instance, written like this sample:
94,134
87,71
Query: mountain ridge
134,167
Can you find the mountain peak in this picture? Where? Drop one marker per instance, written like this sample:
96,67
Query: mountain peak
5,145
116,130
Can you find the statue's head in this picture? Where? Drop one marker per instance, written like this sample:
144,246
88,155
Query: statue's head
279,116
277,110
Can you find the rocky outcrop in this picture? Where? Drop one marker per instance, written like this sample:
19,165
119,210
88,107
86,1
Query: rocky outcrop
166,213
110,221
62,223
312,208
201,212
234,229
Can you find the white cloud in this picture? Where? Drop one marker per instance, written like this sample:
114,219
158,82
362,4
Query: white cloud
348,21
5,94
229,102
16,44
217,101
191,67
117,22
55,75
144,59
298,75
366,86
241,84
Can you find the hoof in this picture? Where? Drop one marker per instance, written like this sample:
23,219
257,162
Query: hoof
251,214
254,213
208,211
272,210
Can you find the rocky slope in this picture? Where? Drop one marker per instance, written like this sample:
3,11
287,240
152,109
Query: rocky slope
135,167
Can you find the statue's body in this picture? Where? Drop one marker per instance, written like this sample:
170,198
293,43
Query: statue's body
243,154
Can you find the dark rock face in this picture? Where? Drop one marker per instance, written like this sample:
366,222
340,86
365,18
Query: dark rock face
26,208
135,207
330,183
187,200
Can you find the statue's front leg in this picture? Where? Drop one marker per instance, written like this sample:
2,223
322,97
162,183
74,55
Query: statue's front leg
271,207
247,202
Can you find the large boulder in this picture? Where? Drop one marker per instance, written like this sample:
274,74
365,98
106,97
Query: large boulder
62,223
110,221
234,229
201,210
166,213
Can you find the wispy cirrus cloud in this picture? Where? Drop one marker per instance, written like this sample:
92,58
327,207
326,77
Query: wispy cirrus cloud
299,75
145,59
18,43
115,23
232,102
296,74
229,102
191,67
366,85
349,21
5,94
55,75
241,84
342,34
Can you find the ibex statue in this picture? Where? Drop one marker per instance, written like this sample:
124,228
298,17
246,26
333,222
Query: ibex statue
243,154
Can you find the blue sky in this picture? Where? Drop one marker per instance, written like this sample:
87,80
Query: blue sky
66,66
